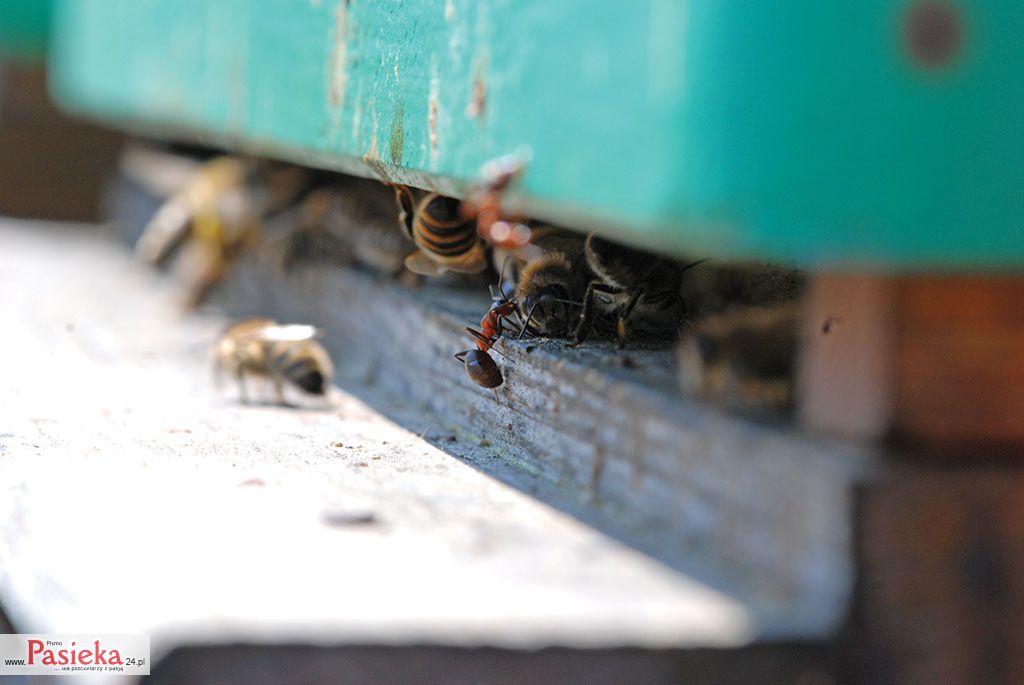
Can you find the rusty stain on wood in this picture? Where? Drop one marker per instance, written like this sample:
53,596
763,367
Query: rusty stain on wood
477,105
397,142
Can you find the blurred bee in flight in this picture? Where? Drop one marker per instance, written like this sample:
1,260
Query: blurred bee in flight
744,359
214,217
283,353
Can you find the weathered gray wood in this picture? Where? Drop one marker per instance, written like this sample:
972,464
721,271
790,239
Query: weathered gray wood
136,498
758,511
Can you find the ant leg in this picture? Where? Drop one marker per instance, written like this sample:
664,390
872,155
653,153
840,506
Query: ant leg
479,336
526,323
497,400
485,340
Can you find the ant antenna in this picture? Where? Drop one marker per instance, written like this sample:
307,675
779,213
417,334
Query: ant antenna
498,291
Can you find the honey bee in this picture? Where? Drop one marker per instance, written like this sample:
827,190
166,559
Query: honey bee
212,206
743,359
283,353
637,290
548,294
446,241
215,216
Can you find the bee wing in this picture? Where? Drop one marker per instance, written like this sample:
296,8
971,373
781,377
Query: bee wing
421,264
287,333
473,262
165,231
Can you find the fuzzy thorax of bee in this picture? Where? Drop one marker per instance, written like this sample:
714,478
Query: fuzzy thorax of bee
548,294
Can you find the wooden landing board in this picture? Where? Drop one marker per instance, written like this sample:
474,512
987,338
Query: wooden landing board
136,498
757,511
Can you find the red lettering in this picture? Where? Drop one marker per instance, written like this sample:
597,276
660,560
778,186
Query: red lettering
85,657
34,647
115,658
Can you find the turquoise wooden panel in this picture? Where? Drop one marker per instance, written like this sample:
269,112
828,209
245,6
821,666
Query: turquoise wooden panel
801,130
24,25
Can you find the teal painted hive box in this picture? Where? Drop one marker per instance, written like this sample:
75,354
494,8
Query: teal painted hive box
878,133
24,27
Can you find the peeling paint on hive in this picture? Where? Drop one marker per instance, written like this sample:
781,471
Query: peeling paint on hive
478,95
432,113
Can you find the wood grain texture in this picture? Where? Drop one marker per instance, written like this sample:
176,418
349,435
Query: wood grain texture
136,497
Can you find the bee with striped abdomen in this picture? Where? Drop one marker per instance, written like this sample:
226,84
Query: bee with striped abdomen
446,241
283,353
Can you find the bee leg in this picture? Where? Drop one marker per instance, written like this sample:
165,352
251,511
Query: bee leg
526,323
218,376
461,356
279,391
586,322
624,316
243,393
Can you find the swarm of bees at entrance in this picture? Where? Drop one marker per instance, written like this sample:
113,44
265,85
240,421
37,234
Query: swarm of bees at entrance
558,284
551,283
563,285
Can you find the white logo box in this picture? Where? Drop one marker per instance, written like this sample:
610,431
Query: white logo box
74,654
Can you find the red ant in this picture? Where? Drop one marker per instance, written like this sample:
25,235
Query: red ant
484,205
480,367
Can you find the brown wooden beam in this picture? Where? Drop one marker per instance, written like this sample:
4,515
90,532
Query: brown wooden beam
936,362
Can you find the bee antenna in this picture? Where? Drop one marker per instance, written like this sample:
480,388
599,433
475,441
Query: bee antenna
693,264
